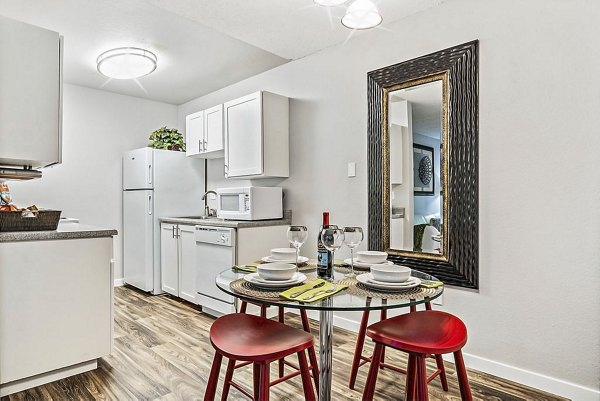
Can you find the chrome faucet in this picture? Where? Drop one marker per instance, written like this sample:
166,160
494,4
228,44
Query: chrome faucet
208,212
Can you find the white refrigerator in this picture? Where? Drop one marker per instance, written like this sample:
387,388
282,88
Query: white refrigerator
156,183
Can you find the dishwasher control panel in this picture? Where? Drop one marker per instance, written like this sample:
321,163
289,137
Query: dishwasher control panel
215,235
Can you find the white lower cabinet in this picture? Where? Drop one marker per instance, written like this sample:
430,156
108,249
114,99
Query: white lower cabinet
56,316
178,260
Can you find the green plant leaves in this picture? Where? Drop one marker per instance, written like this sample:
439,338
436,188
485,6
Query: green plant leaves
167,139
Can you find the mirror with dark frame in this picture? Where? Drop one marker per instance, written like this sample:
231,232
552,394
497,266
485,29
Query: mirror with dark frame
423,163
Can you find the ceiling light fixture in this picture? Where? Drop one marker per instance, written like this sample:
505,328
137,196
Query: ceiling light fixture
330,3
126,63
362,14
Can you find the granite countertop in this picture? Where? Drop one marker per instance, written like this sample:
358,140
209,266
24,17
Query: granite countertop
215,222
65,230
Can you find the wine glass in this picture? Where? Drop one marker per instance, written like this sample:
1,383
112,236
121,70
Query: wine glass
332,238
353,236
297,235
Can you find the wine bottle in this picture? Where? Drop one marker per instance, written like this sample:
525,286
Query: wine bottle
324,256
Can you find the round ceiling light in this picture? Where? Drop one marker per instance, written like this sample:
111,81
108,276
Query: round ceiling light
362,14
330,3
126,63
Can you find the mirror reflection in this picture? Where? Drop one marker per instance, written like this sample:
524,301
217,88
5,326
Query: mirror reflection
415,121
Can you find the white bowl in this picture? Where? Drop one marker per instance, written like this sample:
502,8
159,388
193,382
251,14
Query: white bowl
276,271
390,273
283,253
373,257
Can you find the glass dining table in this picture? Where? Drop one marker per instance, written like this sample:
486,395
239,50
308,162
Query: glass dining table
357,297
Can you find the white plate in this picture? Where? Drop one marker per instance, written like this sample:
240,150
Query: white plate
367,279
254,279
269,259
363,265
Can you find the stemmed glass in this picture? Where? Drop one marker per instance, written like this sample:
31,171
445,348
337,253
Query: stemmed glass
297,235
332,238
353,236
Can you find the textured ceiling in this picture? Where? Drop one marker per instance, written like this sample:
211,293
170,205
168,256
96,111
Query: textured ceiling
202,45
289,28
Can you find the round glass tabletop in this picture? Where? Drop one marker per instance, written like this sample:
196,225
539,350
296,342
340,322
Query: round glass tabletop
350,299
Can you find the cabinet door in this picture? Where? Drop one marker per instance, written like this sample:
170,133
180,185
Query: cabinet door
30,94
243,136
194,133
187,263
213,128
169,266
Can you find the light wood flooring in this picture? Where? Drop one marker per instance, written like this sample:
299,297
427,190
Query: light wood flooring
162,352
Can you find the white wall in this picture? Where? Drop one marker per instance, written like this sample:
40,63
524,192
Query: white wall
538,306
98,127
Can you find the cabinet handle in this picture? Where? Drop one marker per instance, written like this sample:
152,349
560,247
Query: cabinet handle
226,170
205,145
178,232
173,231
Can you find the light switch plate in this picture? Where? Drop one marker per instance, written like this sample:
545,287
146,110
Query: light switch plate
352,169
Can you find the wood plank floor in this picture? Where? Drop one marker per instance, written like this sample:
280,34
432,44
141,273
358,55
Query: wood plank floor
162,352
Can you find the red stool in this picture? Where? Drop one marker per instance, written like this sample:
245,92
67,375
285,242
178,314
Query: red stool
243,337
312,355
360,360
419,334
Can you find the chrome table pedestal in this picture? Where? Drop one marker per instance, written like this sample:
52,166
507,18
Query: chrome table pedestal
325,349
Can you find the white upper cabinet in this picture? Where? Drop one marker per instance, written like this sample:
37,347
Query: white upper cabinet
204,133
194,133
257,136
213,130
30,95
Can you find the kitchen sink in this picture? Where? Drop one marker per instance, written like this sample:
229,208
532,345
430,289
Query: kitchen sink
201,218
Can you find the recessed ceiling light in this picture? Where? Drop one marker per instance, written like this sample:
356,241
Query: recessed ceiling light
126,63
362,14
330,3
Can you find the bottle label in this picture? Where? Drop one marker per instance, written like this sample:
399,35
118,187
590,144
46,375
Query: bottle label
322,257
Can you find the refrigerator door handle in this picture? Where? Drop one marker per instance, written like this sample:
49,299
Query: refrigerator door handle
149,173
150,204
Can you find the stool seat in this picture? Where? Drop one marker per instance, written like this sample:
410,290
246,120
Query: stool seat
246,337
259,341
426,332
419,334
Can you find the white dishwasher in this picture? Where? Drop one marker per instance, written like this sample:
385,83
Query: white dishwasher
215,252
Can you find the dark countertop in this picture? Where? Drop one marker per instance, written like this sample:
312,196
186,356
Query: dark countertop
65,230
215,222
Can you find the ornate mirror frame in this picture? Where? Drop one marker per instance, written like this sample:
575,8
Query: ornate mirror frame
457,68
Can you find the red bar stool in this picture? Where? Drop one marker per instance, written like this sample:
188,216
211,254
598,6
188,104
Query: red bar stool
419,334
314,367
243,337
360,360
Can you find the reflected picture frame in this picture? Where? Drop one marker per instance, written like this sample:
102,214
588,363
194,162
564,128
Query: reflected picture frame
423,170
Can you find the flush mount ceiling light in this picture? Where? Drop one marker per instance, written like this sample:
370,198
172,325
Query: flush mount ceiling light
362,14
330,3
126,63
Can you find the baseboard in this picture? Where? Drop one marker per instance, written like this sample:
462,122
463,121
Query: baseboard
119,282
539,381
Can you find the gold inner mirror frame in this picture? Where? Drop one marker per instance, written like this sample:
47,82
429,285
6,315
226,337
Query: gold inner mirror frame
386,205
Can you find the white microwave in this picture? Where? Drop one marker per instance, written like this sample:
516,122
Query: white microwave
250,203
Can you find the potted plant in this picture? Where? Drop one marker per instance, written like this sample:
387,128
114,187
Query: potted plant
167,139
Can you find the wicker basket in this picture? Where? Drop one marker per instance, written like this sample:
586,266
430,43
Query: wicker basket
42,220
